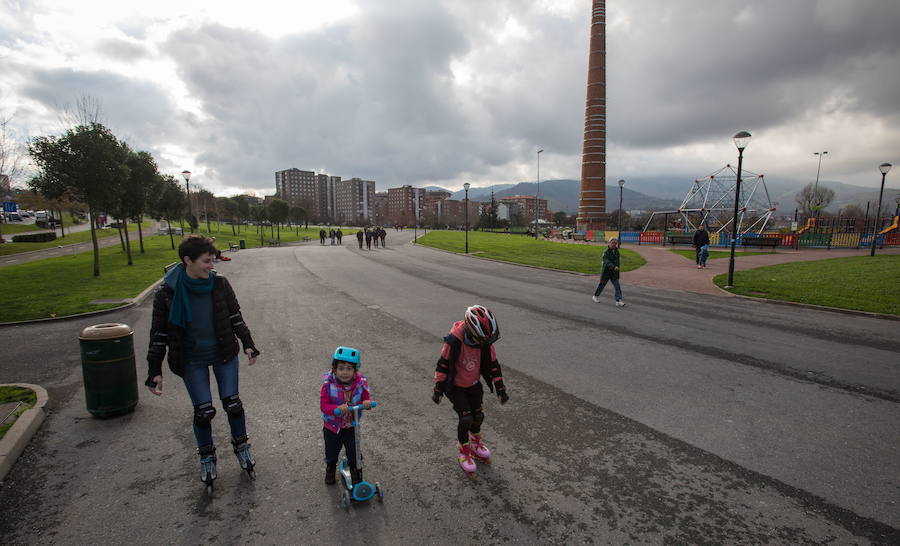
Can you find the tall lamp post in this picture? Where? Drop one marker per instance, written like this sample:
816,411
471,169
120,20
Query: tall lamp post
816,186
466,187
884,168
619,220
740,141
538,193
187,183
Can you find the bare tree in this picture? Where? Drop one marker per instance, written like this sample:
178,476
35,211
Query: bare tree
812,199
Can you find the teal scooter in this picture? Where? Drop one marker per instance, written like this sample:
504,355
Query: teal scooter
362,491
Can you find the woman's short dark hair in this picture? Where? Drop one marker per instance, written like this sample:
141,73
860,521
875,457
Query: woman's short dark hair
194,246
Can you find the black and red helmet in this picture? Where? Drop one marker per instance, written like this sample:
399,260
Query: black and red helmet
481,325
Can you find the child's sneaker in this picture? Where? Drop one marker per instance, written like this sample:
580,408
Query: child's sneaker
620,303
596,299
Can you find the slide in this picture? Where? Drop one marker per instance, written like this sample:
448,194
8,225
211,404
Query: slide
810,223
891,227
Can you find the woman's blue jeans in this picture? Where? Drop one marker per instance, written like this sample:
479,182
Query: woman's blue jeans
615,283
196,379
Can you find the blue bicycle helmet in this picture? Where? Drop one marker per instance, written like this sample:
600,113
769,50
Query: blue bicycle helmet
347,354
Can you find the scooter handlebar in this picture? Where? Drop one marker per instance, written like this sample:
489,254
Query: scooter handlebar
337,411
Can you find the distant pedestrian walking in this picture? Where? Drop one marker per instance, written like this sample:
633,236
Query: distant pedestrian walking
322,236
368,239
331,235
375,236
610,272
382,234
340,235
359,238
701,238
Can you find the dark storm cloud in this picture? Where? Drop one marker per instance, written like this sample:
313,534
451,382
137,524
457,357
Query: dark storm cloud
138,111
685,72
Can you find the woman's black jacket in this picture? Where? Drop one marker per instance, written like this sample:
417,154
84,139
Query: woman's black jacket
228,325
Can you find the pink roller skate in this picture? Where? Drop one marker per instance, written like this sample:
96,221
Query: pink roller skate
465,459
478,449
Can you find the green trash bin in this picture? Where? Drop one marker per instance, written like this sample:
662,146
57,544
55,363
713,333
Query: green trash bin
242,244
110,375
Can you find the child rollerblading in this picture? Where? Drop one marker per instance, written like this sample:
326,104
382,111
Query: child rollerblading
467,356
342,387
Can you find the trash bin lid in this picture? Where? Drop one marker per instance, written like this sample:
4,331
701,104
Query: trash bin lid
109,330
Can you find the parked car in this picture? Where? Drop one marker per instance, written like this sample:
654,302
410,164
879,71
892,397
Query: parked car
41,215
13,217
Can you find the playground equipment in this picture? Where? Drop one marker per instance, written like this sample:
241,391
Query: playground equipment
711,202
891,227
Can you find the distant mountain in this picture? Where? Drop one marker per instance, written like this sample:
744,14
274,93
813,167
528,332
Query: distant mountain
562,195
435,188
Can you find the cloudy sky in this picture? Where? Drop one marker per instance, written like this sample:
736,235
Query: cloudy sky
446,91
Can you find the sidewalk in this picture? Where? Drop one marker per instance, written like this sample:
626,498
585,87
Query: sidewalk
665,269
105,238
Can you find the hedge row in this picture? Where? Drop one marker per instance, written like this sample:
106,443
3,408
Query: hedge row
35,237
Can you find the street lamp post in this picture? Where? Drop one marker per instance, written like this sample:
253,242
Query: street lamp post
818,204
740,141
884,168
466,187
187,182
538,193
619,220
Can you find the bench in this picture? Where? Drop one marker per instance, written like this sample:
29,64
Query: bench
771,242
274,242
232,247
166,268
681,240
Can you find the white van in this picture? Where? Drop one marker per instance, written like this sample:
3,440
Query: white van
40,215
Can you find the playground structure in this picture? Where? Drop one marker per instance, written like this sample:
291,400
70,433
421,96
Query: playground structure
710,202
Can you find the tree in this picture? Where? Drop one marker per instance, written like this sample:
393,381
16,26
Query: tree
614,219
11,156
812,200
243,210
205,200
279,211
85,162
297,214
171,201
143,184
560,218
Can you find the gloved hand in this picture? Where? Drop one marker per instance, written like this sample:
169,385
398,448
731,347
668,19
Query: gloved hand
501,394
438,392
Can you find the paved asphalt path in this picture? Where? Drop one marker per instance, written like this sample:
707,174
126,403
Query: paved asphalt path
681,418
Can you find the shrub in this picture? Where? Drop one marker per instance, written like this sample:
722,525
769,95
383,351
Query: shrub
35,237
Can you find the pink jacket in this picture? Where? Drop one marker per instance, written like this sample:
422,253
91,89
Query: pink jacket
334,394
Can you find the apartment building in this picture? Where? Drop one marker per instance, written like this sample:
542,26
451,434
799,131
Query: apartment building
524,205
354,201
405,204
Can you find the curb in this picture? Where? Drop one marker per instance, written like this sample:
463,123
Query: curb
21,432
869,314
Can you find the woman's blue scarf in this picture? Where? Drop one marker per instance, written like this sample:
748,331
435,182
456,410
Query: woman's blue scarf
182,284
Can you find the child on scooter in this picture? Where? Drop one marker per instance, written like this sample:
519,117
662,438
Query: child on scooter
343,386
467,355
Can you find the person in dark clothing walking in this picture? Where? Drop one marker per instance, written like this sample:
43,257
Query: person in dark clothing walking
375,236
359,238
701,239
340,235
382,233
331,235
610,272
322,235
368,239
197,320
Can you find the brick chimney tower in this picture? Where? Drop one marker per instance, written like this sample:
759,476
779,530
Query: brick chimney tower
592,197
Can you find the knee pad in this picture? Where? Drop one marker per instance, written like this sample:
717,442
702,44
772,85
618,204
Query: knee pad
466,421
478,417
203,414
233,405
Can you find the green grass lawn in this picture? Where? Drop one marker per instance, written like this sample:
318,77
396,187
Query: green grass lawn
10,394
527,250
8,230
66,285
715,254
859,282
71,238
